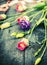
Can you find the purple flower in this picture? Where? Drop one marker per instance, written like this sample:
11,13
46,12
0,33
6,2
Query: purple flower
25,25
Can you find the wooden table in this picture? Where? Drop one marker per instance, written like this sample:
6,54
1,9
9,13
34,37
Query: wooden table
10,55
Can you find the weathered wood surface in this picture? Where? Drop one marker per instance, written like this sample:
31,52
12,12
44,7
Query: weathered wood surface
10,55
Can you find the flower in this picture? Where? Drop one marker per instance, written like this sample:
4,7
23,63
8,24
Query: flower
25,25
23,44
20,7
23,18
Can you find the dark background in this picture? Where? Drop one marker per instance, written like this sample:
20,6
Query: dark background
10,55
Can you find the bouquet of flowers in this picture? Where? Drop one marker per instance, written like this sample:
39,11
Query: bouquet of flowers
25,22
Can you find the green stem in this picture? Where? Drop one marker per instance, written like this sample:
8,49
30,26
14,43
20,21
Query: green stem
45,2
32,15
45,24
39,50
24,13
43,51
31,31
45,39
39,6
9,19
36,24
16,14
40,21
36,53
35,15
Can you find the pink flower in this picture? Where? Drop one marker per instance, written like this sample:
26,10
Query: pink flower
26,18
20,7
23,44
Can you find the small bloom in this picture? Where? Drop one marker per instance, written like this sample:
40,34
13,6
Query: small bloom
20,7
23,44
23,18
25,25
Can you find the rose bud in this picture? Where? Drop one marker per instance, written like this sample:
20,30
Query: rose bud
23,44
25,25
23,18
20,7
2,16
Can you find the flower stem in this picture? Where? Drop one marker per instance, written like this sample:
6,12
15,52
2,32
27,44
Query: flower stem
32,31
45,2
43,51
45,39
24,13
36,24
36,15
39,50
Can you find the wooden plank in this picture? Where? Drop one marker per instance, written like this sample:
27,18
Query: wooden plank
29,52
11,55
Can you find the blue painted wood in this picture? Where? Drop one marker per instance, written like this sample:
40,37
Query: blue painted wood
10,55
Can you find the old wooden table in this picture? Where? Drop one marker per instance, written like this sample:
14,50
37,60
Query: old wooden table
10,55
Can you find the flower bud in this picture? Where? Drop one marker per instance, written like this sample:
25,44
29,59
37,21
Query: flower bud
5,25
37,61
13,34
2,16
19,35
